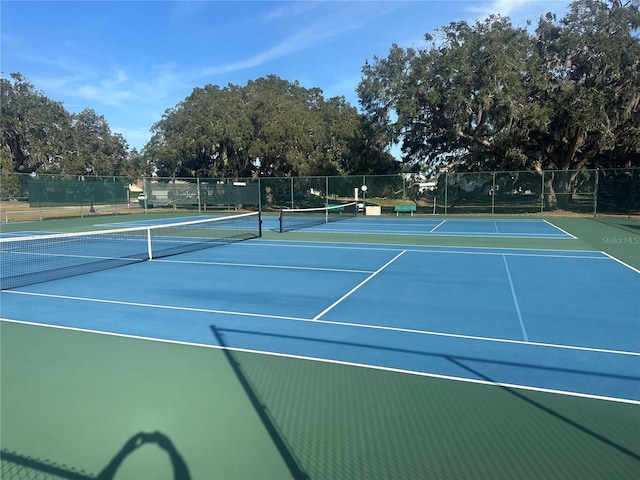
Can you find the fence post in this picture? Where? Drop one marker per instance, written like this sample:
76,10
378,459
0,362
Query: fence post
493,193
292,206
198,193
542,194
446,191
404,189
595,195
39,199
326,190
632,200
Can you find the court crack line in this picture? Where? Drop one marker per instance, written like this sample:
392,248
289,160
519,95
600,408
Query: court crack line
350,292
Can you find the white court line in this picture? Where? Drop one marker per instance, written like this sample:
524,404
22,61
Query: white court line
538,236
434,228
415,220
513,252
562,230
515,299
334,362
328,322
620,262
604,256
564,235
151,305
259,265
348,294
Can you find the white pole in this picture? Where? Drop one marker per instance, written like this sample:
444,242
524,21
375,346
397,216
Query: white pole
149,251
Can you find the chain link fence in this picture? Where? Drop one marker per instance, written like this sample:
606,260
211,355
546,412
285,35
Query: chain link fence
582,192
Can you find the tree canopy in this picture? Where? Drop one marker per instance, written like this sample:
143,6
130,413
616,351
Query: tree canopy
39,135
564,95
492,96
270,127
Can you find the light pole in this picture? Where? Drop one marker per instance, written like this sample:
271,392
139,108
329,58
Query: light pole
364,199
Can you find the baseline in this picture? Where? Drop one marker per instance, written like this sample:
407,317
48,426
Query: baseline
337,362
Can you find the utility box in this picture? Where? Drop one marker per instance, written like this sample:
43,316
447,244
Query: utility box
373,210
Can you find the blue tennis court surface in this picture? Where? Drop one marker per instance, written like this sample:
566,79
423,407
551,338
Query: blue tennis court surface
21,234
519,228
563,321
158,221
533,228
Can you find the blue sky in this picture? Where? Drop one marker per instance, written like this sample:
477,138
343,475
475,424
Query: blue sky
131,61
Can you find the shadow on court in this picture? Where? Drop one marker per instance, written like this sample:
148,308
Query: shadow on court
551,411
437,423
13,465
454,359
261,409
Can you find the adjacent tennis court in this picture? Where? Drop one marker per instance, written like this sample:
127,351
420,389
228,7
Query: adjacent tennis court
354,349
502,228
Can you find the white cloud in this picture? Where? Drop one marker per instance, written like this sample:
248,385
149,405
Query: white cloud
302,40
345,87
346,17
290,9
105,94
501,7
136,137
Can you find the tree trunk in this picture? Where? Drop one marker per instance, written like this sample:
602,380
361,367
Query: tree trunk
550,198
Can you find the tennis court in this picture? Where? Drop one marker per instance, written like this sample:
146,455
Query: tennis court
502,228
368,348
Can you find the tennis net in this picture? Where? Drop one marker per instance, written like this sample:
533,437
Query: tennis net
296,218
40,258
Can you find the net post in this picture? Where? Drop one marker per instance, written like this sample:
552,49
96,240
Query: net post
280,220
149,249
260,223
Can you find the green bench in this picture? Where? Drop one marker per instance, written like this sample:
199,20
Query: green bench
404,208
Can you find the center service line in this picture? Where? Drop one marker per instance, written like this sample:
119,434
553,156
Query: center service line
434,228
341,299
